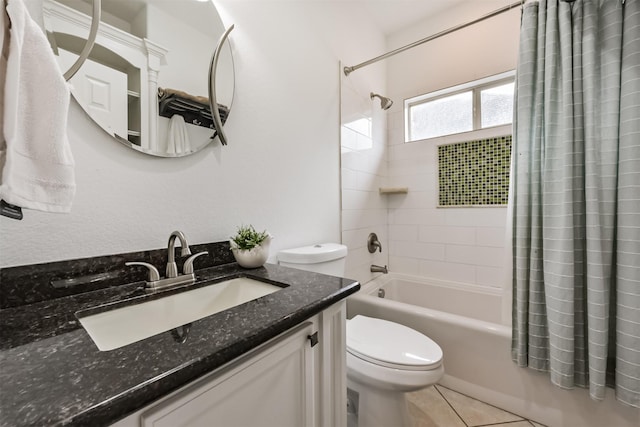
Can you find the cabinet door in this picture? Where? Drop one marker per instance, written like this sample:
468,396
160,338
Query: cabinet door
274,388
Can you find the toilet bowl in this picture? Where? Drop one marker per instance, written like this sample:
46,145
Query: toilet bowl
384,361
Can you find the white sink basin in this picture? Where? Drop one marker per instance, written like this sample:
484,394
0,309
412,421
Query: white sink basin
122,326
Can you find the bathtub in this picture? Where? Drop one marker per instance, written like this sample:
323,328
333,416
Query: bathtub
465,321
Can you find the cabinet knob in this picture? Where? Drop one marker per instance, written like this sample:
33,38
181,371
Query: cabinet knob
313,339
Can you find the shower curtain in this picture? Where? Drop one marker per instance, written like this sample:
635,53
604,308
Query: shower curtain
576,195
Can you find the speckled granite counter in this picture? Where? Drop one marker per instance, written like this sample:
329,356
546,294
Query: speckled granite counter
51,372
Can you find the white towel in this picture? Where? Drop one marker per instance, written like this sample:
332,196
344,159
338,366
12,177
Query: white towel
178,139
4,54
39,169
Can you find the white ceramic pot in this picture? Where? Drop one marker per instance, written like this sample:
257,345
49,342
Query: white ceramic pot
252,258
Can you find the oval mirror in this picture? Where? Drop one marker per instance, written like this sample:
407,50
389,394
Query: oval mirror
146,79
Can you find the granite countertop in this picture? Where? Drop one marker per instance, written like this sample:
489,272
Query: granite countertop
52,373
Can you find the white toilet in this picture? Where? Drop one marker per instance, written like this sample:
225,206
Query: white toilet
384,359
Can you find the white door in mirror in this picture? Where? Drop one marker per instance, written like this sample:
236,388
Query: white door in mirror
123,326
102,91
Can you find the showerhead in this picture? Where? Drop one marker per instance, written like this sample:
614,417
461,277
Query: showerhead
385,103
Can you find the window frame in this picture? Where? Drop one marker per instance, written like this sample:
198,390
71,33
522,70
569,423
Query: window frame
476,87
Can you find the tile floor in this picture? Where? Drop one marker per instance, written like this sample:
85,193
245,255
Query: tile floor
438,406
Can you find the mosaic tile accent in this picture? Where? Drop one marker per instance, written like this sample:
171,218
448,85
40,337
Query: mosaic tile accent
474,173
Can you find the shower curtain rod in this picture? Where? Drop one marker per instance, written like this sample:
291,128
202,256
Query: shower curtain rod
348,70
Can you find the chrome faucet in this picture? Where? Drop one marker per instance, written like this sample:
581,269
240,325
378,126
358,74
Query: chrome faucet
379,269
373,243
172,268
172,278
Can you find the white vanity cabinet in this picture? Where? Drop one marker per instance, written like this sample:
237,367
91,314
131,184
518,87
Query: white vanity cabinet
287,382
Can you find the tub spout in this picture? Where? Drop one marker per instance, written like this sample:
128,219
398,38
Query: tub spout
379,269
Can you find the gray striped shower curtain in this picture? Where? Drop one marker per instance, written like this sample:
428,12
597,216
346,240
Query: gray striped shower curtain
576,195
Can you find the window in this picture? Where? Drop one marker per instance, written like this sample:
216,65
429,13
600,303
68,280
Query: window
496,105
475,105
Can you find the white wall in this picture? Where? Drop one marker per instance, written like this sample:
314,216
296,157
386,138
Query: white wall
280,170
464,245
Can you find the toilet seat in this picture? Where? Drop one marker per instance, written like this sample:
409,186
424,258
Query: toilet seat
391,345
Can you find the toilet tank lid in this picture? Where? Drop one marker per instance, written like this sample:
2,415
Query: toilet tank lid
313,254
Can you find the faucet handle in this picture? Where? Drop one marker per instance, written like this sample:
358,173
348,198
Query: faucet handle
373,243
188,264
154,274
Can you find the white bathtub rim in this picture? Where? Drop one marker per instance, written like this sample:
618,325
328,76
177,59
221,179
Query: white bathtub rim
368,294
460,286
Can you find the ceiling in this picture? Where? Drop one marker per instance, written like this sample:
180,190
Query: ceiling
197,12
388,15
393,15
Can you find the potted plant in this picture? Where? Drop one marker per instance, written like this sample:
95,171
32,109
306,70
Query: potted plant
250,247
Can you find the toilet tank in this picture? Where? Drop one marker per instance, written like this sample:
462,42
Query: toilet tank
326,258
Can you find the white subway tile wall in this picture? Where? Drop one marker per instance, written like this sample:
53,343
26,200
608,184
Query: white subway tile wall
364,171
456,244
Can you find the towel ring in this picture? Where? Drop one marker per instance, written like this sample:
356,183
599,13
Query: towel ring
217,122
93,32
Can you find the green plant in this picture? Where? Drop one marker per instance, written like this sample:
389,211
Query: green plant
248,238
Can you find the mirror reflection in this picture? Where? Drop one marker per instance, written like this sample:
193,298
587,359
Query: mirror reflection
146,79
